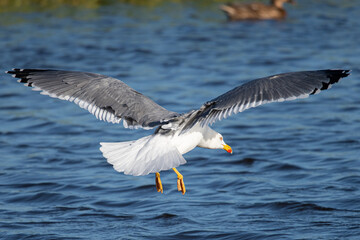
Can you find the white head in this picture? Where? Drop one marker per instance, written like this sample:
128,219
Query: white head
213,140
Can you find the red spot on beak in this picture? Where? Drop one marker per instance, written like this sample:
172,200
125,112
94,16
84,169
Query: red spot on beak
228,148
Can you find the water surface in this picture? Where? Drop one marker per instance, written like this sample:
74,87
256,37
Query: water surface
295,171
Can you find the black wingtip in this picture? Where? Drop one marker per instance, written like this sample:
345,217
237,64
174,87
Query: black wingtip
347,72
24,73
21,74
336,75
344,73
27,70
15,72
12,71
339,72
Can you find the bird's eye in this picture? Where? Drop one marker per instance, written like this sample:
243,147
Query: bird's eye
221,138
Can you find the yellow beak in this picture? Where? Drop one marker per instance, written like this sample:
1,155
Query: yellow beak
227,148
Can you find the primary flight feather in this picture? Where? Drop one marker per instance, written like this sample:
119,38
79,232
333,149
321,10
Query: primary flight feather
111,100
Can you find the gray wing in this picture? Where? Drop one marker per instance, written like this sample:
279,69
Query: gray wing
277,88
107,98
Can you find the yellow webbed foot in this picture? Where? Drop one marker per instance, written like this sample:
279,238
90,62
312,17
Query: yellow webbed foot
159,186
180,182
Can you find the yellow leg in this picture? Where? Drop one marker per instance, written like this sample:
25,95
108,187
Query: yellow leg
180,182
159,186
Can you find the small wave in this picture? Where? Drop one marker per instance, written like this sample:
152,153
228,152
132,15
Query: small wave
354,179
245,161
194,39
345,142
37,236
143,51
283,167
293,206
9,95
33,185
44,124
11,108
107,215
43,197
212,234
166,216
112,204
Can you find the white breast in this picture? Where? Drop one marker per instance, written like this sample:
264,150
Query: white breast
187,141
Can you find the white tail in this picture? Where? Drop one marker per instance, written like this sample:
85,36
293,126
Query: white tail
146,155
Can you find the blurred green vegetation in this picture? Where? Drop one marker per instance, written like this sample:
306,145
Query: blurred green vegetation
15,11
41,5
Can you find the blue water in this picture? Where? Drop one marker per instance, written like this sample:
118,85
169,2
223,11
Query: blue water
295,171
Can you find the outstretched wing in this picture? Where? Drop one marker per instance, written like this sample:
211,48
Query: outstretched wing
107,98
277,88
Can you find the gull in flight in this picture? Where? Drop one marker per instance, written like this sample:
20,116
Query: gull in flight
111,100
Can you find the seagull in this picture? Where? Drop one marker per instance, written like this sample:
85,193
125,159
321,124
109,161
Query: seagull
256,11
175,134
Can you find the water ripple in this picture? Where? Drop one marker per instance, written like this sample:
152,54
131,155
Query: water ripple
294,173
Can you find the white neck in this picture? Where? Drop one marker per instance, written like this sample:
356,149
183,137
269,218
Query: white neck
210,138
